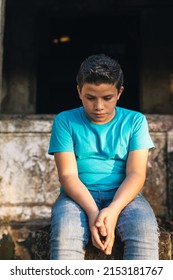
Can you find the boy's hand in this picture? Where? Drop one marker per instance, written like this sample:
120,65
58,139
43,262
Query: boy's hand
105,223
98,235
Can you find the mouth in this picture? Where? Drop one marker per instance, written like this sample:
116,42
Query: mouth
99,114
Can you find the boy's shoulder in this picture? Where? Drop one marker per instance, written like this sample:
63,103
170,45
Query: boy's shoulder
71,113
124,112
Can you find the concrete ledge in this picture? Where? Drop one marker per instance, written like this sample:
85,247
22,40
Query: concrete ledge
30,241
92,253
43,123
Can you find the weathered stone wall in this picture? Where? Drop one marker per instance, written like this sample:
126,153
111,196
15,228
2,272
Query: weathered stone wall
28,176
158,186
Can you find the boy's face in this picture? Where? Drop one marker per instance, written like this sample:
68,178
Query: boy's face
99,101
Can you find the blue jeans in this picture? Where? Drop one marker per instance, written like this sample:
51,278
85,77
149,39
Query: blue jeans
136,226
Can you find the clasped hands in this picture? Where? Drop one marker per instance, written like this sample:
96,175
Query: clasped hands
102,226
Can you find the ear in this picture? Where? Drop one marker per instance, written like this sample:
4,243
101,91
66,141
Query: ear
79,91
120,91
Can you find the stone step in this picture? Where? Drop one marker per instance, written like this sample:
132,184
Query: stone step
92,253
28,242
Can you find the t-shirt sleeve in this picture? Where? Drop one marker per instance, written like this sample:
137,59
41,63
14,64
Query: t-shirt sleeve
61,139
140,138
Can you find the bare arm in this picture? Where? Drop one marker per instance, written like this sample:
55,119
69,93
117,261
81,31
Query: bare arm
130,187
134,181
68,176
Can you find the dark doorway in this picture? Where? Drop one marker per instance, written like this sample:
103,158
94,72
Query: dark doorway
63,44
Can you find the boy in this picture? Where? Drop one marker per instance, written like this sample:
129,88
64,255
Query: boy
101,153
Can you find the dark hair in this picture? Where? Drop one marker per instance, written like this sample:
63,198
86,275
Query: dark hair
100,68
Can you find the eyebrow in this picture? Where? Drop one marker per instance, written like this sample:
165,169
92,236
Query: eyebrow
90,95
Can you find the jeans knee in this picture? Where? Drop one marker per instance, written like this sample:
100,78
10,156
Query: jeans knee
69,223
138,225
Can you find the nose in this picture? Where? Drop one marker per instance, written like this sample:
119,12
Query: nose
98,105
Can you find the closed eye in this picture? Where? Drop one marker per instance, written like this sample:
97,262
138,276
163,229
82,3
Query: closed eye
90,97
107,97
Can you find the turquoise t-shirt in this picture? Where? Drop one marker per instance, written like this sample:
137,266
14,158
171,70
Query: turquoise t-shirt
101,150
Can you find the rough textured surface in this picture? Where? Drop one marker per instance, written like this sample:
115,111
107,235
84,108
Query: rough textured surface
156,182
18,240
92,253
170,170
31,241
165,249
28,176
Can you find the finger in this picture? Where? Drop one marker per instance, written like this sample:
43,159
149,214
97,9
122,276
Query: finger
110,238
100,220
108,250
107,240
97,246
102,230
101,225
97,242
108,233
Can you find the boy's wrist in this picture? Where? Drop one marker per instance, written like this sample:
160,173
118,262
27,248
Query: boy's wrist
114,206
92,212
